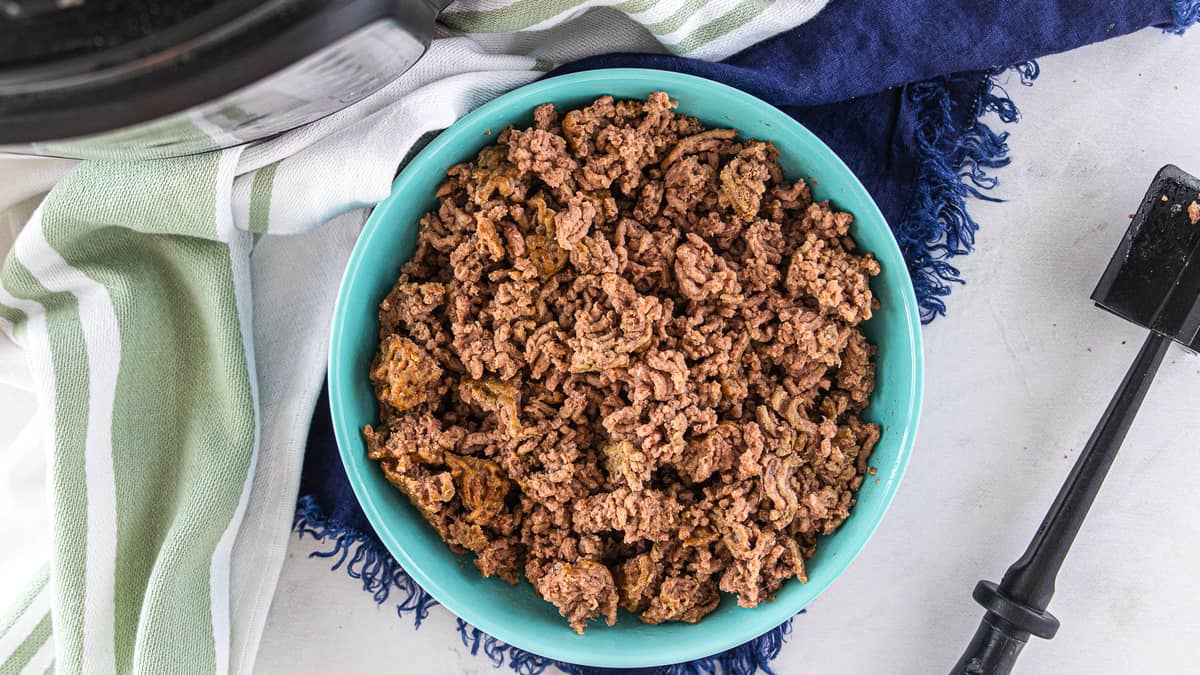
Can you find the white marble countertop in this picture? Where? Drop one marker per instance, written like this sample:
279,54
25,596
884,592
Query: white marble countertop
1018,374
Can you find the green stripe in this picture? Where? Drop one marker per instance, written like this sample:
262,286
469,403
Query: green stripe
742,14
157,198
22,604
68,356
24,653
17,318
12,315
260,198
518,16
181,444
635,6
680,17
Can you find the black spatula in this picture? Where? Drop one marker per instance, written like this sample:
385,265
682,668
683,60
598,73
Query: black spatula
1152,280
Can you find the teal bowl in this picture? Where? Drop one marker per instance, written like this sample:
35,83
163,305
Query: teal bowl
515,614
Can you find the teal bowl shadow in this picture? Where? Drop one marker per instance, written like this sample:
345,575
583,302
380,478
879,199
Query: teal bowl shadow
515,614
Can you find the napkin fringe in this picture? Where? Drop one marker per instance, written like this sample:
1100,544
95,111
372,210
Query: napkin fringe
364,559
952,166
752,657
1186,13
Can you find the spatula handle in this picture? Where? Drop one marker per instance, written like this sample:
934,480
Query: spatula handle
1016,608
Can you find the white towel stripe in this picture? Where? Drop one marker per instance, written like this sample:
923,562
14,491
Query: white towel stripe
26,622
239,253
763,26
42,659
709,12
659,11
568,14
42,369
226,172
102,340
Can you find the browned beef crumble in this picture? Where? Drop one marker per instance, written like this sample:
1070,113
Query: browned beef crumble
625,363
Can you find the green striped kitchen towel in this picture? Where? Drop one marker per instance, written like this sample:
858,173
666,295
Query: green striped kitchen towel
175,345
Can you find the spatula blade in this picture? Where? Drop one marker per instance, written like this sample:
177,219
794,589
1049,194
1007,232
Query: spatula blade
1153,278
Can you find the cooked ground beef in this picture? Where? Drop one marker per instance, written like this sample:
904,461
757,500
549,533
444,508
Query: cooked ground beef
625,363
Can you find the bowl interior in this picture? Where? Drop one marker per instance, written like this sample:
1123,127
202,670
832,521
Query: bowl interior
515,614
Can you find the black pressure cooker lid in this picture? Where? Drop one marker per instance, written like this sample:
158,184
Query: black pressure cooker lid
70,68
39,31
